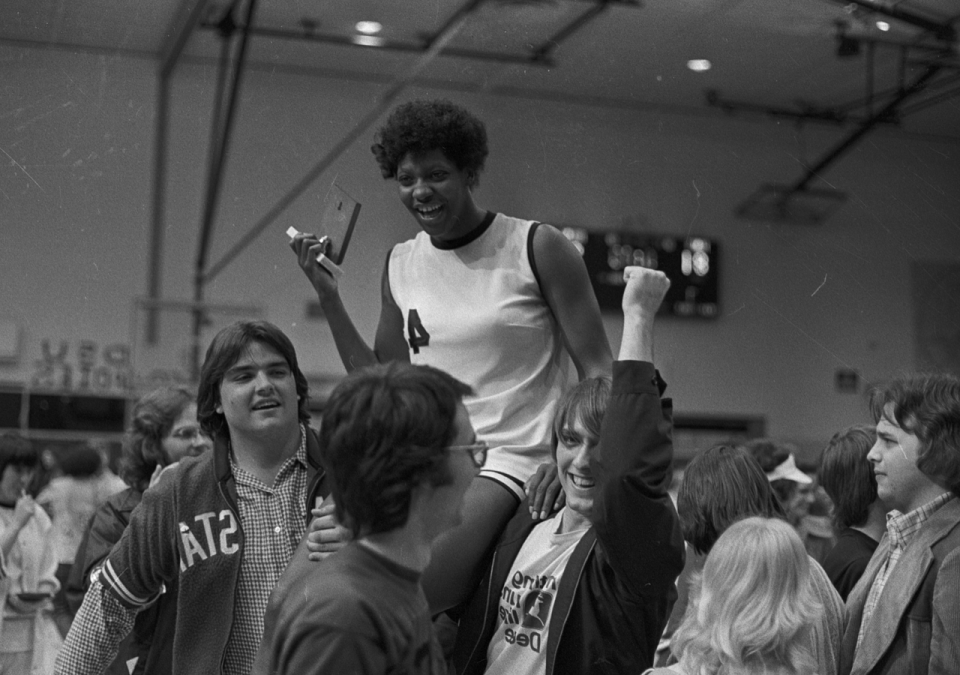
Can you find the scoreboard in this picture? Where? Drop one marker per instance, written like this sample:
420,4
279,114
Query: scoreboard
691,263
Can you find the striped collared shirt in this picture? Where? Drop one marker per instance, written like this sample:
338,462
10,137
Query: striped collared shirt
274,521
901,528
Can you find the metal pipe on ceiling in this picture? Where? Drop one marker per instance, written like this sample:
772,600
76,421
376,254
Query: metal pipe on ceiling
220,143
182,25
914,88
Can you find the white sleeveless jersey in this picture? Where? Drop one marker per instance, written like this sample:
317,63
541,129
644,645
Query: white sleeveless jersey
476,312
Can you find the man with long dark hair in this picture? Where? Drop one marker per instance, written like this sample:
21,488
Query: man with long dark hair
223,524
904,613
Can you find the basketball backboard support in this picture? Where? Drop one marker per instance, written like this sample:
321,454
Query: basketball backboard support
788,205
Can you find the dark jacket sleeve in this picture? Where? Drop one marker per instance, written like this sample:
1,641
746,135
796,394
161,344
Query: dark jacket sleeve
103,531
635,520
78,581
146,556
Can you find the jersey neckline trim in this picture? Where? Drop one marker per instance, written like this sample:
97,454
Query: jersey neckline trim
470,236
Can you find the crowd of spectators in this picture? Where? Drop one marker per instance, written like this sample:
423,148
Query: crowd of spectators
460,509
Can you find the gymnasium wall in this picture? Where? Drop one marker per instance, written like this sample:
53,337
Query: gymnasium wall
798,302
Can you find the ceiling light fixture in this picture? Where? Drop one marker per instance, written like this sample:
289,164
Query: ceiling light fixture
698,65
883,25
369,27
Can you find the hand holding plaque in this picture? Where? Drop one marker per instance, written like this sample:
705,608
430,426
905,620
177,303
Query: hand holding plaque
333,236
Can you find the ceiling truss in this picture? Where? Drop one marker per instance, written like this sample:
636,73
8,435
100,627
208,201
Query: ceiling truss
235,35
935,52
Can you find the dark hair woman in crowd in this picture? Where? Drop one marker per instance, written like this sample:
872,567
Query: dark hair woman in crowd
860,518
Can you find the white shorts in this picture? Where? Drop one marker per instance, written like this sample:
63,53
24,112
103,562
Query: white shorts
511,466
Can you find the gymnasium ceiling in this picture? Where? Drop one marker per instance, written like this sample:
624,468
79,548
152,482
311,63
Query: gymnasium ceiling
768,56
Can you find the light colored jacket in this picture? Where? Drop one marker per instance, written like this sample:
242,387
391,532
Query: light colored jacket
30,567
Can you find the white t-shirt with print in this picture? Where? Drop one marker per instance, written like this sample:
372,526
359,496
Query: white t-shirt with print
518,646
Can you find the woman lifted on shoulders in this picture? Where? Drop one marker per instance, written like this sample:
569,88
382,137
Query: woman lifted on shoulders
498,302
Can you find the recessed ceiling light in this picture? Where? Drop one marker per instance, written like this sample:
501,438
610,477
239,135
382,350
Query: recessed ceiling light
883,25
369,27
698,65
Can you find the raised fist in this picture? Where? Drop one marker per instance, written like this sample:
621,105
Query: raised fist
645,289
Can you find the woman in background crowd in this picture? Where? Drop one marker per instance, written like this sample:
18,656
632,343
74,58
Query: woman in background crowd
164,430
29,639
725,484
797,492
71,499
752,606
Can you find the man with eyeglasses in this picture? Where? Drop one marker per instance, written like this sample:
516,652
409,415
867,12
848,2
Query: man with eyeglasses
400,452
589,589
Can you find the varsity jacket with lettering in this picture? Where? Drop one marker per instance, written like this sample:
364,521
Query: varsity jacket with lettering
188,528
617,589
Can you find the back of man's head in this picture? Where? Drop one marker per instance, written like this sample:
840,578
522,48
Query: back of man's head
927,406
81,460
384,432
722,485
847,475
224,351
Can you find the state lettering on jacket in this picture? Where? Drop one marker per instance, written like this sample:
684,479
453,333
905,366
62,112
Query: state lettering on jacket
209,534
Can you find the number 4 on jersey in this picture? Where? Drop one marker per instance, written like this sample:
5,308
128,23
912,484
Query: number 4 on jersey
417,335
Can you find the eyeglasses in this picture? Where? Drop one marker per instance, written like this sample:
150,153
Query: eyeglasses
477,452
187,433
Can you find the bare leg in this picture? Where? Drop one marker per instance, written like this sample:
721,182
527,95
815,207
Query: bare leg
456,556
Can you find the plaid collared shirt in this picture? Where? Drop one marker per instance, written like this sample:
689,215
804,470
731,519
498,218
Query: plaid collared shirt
274,521
901,527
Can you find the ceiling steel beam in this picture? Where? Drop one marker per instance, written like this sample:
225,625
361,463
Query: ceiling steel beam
433,46
538,55
935,98
802,113
439,42
942,30
867,37
554,41
868,124
386,44
224,116
893,99
180,29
